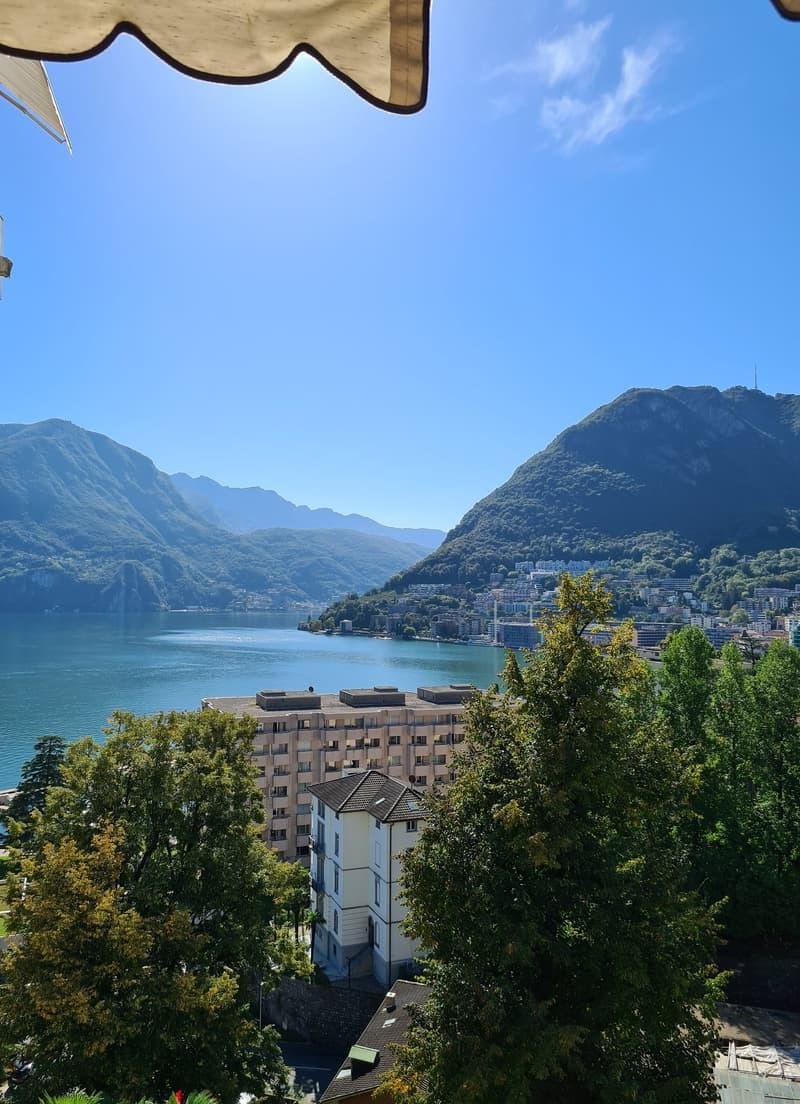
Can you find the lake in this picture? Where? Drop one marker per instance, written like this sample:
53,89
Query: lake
65,673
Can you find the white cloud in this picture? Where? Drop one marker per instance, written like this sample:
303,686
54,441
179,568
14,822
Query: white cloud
573,121
566,57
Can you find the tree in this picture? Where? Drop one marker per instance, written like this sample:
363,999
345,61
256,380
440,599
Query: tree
149,908
568,961
774,768
687,680
293,894
38,775
725,862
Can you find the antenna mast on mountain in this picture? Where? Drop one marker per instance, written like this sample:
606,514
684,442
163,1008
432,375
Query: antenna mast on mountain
755,375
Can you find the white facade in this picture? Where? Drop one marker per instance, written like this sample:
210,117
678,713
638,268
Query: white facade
355,869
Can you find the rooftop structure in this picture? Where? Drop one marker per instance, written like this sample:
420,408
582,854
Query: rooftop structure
368,1062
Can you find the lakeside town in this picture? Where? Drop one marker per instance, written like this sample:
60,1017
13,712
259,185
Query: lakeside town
505,613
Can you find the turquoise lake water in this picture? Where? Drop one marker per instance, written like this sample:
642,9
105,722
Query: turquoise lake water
66,673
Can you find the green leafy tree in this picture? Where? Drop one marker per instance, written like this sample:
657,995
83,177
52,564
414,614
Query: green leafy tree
568,961
149,907
725,864
687,681
293,894
38,775
774,768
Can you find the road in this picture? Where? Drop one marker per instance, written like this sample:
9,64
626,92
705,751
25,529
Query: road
313,1068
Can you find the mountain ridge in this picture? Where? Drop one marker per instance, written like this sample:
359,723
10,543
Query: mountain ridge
247,509
88,523
681,469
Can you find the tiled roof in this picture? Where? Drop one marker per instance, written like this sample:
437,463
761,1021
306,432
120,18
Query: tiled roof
373,792
384,1031
351,793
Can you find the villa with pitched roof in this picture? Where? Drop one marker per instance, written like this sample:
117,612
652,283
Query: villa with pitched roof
363,823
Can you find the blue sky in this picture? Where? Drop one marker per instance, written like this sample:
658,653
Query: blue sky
281,285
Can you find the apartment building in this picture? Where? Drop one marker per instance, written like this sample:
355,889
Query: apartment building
303,738
363,825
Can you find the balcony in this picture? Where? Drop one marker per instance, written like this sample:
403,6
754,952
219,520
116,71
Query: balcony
354,745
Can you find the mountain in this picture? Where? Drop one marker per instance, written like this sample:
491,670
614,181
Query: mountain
87,523
668,475
244,509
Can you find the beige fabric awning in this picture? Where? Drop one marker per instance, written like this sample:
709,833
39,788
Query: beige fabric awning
789,8
24,84
379,47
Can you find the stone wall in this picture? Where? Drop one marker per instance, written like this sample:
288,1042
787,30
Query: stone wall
327,1015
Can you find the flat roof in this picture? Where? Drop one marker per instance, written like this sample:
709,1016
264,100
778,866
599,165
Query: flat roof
329,703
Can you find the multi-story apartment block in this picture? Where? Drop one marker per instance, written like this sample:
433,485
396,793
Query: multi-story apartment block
363,824
303,738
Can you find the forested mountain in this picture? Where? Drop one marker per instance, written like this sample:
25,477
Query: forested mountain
244,509
670,475
86,523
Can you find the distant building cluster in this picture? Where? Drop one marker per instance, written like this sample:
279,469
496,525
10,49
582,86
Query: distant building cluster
561,567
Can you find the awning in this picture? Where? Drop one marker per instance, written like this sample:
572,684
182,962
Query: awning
378,47
789,8
24,84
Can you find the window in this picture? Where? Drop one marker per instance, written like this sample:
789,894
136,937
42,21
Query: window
302,852
394,739
304,768
279,812
303,828
302,787
279,726
260,727
303,809
280,749
278,834
395,760
335,921
305,723
377,890
337,816
411,825
331,722
336,879
376,934
336,843
377,853
281,771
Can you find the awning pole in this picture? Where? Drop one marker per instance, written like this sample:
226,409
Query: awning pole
5,263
